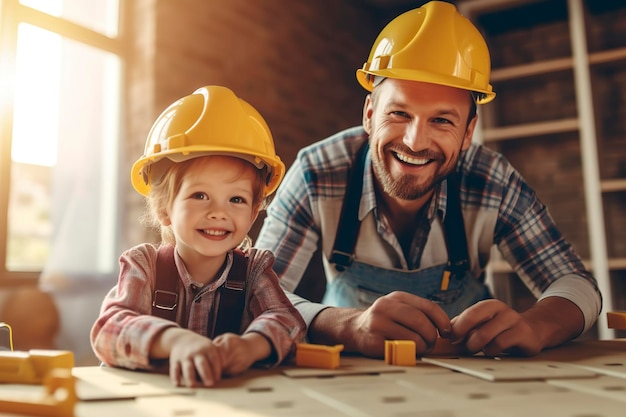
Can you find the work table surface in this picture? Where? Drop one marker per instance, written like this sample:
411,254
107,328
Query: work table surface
579,379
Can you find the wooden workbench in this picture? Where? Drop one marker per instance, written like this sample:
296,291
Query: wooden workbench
579,379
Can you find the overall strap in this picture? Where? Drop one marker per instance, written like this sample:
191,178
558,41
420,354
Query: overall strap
230,299
342,254
458,258
165,297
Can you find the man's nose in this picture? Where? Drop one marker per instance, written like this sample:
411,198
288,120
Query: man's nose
416,135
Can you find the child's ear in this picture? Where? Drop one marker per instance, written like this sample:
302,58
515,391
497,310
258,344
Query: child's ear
256,212
164,218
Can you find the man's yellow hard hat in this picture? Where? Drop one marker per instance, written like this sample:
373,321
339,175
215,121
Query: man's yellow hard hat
434,44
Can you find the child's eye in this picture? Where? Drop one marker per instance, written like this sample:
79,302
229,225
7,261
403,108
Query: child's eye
199,196
238,200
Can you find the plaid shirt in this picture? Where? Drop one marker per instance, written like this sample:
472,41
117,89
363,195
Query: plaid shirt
499,208
125,330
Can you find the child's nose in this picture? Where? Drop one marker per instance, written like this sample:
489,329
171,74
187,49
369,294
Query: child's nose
216,211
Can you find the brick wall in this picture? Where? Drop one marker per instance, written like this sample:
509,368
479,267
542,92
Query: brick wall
552,164
553,167
294,61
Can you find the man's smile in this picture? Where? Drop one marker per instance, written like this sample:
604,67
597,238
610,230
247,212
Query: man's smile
411,160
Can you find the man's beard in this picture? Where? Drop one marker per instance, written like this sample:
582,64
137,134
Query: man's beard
406,187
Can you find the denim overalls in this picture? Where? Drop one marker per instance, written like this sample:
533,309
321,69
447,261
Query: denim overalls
359,285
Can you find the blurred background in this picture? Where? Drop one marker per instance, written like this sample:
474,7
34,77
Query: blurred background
82,82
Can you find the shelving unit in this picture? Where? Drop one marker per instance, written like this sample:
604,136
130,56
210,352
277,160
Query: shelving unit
559,71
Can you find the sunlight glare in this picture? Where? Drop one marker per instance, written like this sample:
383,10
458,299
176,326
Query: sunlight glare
51,7
37,91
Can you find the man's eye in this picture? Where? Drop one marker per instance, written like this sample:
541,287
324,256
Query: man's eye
400,114
442,120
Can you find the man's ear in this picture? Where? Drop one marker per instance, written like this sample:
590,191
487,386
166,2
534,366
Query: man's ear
469,133
367,114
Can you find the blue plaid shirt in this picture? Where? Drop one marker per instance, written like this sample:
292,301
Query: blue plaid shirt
499,208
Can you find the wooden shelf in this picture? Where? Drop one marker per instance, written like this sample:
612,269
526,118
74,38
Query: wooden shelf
607,56
594,80
615,185
530,129
554,65
617,263
502,267
471,7
528,70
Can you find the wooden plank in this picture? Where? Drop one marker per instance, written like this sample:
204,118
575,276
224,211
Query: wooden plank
602,386
98,383
510,369
613,365
348,366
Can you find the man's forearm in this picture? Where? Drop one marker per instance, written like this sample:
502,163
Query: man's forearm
335,326
556,320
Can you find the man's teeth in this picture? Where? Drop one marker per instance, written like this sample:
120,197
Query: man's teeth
215,232
412,161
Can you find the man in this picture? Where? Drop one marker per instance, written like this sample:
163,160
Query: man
406,223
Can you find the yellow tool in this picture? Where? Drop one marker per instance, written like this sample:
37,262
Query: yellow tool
6,337
58,400
400,352
310,355
445,280
21,367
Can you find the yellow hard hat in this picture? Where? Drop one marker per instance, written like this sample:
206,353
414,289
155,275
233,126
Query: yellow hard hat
211,121
434,44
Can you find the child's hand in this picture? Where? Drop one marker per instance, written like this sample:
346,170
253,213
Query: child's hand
195,361
238,353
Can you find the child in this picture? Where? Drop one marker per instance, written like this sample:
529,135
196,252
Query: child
208,166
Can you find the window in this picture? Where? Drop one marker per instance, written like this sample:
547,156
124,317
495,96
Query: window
60,103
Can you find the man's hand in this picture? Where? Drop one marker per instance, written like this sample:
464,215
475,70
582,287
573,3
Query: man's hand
396,316
494,328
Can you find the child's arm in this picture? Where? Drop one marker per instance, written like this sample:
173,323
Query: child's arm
269,311
125,329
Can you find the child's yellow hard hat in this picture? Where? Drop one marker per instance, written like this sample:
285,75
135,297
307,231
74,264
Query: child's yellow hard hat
211,121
